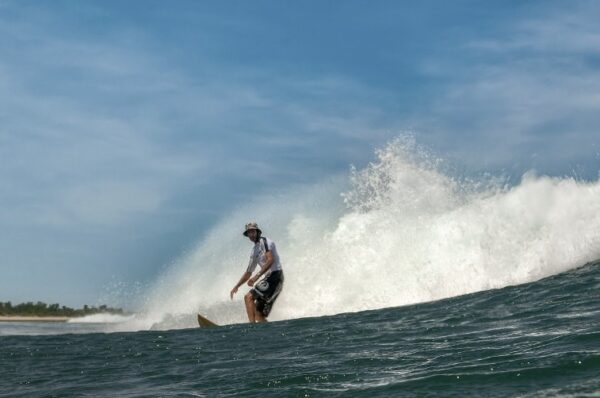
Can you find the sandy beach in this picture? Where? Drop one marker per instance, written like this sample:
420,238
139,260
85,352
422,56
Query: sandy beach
4,318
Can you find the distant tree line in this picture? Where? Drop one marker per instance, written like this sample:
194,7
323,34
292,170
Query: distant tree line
43,309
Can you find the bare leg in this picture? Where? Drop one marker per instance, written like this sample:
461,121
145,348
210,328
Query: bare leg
259,316
250,307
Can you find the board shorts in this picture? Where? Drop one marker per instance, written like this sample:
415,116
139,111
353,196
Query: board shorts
266,291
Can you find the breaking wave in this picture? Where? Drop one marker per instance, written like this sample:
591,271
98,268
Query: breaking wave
399,231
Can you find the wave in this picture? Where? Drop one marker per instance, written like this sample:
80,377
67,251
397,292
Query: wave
400,231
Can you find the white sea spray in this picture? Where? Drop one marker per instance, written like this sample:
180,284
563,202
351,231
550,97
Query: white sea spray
400,231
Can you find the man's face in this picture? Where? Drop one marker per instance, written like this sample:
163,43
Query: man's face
252,234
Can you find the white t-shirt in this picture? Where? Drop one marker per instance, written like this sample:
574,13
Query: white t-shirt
258,257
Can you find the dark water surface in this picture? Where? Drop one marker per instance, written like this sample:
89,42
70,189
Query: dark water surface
537,340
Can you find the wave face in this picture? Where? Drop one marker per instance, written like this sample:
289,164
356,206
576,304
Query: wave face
400,231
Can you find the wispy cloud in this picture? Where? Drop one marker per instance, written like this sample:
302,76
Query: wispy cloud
529,95
106,134
553,30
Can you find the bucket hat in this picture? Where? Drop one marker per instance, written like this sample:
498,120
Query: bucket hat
250,226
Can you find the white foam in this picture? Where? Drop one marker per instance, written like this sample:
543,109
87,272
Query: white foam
102,318
403,232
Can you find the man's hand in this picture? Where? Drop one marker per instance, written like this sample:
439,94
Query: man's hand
233,291
252,281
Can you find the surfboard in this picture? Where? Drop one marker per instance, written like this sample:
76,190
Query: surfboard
205,323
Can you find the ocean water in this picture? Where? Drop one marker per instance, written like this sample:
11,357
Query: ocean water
532,340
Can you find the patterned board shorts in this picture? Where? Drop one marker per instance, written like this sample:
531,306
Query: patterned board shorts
266,291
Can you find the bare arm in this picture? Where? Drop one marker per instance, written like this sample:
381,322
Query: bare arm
245,276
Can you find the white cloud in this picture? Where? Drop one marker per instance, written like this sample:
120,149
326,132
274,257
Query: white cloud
529,91
559,30
80,114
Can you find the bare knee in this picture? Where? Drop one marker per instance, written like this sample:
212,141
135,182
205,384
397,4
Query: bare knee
248,297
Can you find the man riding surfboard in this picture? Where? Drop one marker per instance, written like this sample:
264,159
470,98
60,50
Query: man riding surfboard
260,299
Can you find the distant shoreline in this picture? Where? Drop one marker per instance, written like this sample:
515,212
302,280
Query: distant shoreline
19,318
42,312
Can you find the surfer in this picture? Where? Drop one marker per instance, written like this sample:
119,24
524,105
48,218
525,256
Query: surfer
260,299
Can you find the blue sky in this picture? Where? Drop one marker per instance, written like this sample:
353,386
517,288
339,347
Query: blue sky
129,128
